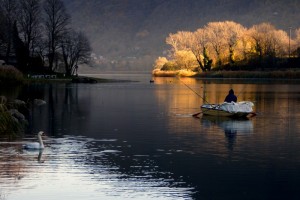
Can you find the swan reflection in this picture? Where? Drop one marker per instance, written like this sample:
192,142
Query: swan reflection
40,156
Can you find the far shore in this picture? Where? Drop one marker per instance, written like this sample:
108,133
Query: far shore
11,76
74,79
257,75
287,74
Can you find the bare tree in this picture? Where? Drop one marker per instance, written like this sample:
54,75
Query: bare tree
9,12
233,34
178,41
56,25
297,38
75,50
245,45
30,24
199,46
186,60
159,62
41,49
281,42
220,43
2,32
260,35
216,34
297,42
268,42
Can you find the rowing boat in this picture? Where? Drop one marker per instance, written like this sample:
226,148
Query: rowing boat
241,109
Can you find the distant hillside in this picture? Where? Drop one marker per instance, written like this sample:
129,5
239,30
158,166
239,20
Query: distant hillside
136,29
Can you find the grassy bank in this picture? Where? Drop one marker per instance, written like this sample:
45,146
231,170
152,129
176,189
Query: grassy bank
9,75
287,74
183,73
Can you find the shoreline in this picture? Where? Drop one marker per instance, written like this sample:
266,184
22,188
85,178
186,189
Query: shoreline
75,79
259,75
94,80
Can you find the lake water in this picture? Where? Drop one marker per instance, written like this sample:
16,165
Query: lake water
138,140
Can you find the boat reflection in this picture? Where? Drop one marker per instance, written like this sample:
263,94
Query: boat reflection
231,127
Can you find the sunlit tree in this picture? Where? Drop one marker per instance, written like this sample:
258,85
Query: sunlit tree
185,59
221,43
178,41
199,45
297,36
217,39
262,39
297,41
159,62
281,42
233,33
268,42
245,46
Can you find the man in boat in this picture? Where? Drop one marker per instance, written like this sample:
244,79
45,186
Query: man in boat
230,97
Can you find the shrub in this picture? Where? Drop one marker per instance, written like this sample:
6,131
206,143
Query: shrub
170,66
160,62
160,73
186,73
12,121
10,75
9,126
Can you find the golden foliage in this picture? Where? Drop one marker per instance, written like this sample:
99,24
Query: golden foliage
223,43
160,62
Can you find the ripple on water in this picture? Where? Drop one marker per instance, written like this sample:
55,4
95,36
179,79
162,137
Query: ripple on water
67,164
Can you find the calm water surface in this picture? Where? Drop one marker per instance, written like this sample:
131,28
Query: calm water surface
137,140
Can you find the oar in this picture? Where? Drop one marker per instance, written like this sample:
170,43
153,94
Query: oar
252,114
196,114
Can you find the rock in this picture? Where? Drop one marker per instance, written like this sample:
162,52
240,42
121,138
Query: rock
19,103
16,114
39,102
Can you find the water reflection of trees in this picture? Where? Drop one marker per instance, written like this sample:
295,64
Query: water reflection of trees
65,106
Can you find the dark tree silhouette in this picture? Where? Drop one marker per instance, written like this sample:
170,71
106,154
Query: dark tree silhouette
30,26
20,50
56,23
75,50
8,9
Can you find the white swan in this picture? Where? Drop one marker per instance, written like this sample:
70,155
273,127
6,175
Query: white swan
35,145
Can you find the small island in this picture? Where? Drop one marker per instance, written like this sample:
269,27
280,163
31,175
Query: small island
229,50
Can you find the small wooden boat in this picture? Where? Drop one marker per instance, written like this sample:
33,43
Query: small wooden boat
234,110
